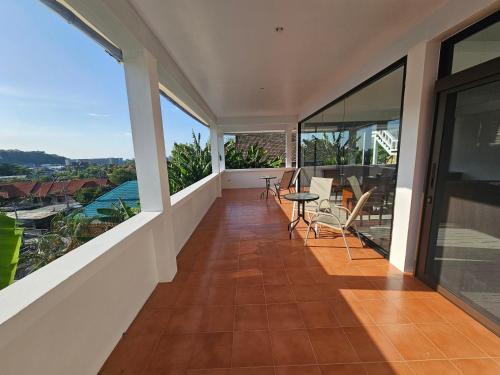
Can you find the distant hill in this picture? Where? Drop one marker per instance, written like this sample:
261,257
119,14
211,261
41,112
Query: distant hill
29,158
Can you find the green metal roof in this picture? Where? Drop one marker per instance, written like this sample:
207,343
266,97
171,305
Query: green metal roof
127,192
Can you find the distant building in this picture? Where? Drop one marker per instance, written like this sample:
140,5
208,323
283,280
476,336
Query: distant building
98,161
128,192
55,191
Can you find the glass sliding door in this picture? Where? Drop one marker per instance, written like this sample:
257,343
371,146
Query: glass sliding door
460,240
355,141
464,241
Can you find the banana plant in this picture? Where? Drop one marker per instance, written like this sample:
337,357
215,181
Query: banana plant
256,156
188,163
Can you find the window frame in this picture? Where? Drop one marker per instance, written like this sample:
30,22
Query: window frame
402,62
448,45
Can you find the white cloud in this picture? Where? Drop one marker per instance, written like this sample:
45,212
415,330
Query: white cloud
92,114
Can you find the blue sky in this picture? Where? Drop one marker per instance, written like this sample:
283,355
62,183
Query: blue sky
61,93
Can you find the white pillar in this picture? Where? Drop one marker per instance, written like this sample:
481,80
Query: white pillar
289,146
141,77
222,154
215,153
421,73
297,150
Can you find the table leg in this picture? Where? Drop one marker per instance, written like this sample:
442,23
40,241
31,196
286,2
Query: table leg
295,222
268,189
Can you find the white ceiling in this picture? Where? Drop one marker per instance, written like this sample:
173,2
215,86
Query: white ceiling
229,50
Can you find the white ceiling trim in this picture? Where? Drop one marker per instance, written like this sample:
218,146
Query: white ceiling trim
247,124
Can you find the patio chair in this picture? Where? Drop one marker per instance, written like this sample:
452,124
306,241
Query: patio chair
340,219
323,187
376,204
287,182
356,188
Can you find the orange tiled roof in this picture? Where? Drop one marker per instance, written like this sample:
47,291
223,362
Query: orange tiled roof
18,189
45,189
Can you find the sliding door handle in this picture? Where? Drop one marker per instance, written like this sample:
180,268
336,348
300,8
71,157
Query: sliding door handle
433,175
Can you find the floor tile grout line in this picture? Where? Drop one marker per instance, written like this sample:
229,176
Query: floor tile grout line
390,342
432,342
459,332
457,327
234,312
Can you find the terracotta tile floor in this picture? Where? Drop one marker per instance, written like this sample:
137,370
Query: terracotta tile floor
247,300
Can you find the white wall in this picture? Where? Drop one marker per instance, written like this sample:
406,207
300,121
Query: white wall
190,205
416,133
67,317
249,178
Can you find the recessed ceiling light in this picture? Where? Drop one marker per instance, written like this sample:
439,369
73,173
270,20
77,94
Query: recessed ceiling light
278,29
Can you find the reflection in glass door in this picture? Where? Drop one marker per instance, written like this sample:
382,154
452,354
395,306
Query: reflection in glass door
463,253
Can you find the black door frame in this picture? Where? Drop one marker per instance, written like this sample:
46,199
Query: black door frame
445,89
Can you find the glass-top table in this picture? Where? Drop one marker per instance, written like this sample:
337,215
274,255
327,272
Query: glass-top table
268,186
301,199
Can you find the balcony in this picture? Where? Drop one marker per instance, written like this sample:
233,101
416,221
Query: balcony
248,300
207,281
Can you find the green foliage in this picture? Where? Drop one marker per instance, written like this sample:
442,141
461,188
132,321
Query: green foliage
255,157
67,232
10,243
49,247
120,175
86,195
12,170
188,164
334,150
382,156
91,171
118,213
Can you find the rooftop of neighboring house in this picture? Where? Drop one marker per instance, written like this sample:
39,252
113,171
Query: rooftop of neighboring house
128,192
45,189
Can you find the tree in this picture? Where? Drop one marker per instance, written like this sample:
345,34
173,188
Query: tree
188,163
86,195
118,213
256,156
67,232
12,170
334,150
120,175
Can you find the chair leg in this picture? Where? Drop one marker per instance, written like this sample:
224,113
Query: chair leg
279,195
359,238
346,245
307,234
